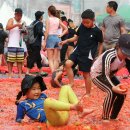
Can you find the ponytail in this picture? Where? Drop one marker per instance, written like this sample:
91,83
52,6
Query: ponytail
18,97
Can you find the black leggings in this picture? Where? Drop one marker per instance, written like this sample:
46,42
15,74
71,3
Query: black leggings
113,101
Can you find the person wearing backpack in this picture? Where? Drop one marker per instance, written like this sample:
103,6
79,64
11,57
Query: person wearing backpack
35,47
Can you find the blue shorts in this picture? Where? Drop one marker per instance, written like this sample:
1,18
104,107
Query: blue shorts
52,42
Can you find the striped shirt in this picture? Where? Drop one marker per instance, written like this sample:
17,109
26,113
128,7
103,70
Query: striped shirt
107,64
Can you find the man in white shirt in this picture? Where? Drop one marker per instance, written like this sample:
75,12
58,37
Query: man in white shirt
15,46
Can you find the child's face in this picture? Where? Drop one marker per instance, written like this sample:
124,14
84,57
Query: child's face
34,92
88,23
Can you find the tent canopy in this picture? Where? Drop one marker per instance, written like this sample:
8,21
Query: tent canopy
6,12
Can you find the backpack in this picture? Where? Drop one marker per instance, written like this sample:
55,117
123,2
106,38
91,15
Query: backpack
29,38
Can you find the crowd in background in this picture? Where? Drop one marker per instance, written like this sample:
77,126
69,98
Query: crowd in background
63,46
13,37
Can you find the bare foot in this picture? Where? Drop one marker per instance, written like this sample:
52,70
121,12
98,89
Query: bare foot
86,112
106,121
87,95
76,107
79,107
10,76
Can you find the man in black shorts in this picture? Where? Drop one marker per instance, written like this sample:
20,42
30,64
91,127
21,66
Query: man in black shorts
88,36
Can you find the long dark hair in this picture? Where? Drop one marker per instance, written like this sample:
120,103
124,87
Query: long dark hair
18,97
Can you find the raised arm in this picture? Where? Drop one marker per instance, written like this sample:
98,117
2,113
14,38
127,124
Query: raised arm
10,24
65,29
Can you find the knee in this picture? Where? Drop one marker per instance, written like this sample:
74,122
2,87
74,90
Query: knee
66,87
68,64
86,75
47,102
48,99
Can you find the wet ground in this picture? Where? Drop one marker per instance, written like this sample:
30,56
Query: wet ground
10,87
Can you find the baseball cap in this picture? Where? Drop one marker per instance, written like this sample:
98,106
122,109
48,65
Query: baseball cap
38,14
28,81
18,10
124,44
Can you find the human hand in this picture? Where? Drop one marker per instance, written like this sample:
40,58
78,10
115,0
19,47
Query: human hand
44,45
18,25
59,36
24,121
62,42
120,89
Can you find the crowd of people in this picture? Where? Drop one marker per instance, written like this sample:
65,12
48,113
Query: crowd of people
97,52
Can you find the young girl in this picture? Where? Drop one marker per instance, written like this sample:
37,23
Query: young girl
102,74
42,109
52,39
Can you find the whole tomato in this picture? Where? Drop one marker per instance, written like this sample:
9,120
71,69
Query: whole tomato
124,87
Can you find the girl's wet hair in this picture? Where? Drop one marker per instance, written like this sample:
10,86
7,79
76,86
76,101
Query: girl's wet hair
18,97
27,83
52,10
23,92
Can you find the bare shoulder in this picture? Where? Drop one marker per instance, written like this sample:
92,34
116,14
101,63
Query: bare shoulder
10,20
